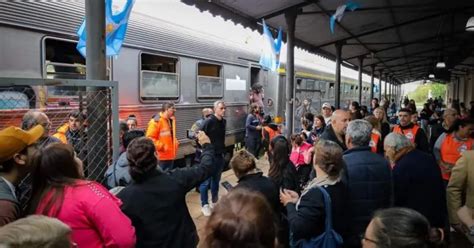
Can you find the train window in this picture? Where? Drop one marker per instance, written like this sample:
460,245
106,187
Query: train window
331,90
209,81
310,84
299,83
159,78
62,60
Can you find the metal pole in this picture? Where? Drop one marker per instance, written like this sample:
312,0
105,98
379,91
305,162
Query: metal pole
290,18
95,26
372,83
97,110
385,88
337,86
361,63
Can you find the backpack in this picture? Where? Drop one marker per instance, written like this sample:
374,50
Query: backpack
329,238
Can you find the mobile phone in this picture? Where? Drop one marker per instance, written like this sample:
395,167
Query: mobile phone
227,185
190,134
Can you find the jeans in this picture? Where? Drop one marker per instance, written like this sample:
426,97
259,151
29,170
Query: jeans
166,164
253,146
213,180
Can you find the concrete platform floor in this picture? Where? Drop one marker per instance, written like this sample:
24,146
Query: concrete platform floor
194,205
194,201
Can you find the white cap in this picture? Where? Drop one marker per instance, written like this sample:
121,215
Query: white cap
326,105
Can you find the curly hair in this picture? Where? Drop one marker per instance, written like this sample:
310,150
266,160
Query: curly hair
141,158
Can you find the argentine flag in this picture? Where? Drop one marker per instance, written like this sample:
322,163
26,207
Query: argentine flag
270,55
115,28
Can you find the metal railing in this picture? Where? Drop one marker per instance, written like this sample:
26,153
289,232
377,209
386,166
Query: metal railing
96,141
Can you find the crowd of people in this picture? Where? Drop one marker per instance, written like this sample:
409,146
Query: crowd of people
378,176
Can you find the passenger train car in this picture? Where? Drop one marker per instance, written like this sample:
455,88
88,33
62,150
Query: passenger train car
159,62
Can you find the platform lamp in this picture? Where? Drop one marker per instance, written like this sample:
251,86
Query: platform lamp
441,64
470,24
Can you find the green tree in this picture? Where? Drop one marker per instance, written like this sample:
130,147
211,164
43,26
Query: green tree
420,94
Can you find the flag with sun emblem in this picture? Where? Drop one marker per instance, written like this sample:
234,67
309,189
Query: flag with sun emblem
116,21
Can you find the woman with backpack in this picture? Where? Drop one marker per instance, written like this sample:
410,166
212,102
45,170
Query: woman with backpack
307,214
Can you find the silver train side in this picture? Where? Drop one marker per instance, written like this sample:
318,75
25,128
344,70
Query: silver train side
28,28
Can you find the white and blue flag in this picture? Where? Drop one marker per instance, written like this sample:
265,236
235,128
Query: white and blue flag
270,55
116,21
340,13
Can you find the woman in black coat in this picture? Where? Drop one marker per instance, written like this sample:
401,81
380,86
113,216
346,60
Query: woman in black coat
306,214
155,201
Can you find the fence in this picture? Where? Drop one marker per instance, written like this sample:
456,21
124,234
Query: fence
95,138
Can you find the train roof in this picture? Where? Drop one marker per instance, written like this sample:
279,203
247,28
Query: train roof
144,32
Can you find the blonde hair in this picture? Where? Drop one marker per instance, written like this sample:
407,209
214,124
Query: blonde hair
242,163
384,114
35,231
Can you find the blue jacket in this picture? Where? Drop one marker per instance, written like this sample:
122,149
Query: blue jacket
251,124
369,186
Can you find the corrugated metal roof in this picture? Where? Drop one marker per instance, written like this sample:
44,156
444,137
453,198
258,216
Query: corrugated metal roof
393,36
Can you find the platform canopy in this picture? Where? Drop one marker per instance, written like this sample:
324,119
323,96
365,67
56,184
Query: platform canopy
404,39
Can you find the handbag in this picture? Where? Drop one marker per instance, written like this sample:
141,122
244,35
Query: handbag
329,238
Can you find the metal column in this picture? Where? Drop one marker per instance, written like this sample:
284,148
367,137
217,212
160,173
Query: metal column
95,54
290,18
372,83
337,86
361,62
96,70
385,88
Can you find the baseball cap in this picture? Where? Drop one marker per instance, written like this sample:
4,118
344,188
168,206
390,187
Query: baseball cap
326,105
14,140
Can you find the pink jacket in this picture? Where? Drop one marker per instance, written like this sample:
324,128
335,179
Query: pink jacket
94,216
299,155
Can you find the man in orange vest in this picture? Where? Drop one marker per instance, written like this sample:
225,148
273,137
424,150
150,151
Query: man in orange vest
162,130
412,131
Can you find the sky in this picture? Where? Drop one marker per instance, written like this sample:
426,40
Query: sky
188,16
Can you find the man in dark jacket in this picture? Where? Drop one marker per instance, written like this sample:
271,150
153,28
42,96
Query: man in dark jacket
214,126
336,131
155,201
417,182
368,181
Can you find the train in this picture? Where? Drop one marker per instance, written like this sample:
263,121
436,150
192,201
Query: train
159,61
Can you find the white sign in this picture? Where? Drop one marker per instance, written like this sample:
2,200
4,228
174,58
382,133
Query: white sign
235,84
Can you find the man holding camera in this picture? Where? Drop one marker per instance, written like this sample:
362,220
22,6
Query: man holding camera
214,127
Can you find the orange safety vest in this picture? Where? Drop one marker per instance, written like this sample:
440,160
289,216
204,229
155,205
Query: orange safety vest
374,140
271,133
409,133
164,138
451,150
61,133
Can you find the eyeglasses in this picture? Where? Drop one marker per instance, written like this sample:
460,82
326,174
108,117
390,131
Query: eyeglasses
362,238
